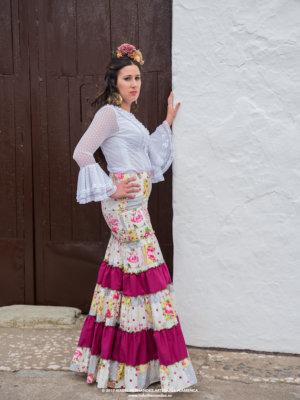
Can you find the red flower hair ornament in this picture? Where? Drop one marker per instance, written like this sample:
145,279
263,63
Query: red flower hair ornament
130,51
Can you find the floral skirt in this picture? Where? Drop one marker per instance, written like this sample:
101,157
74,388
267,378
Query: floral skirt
132,336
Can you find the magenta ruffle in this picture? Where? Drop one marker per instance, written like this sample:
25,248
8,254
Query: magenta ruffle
150,281
133,348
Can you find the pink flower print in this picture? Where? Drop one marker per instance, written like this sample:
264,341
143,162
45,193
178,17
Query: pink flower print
137,217
90,378
116,296
119,175
133,258
168,308
77,354
108,313
150,254
147,232
184,363
114,223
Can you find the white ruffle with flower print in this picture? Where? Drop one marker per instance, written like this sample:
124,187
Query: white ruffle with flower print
113,374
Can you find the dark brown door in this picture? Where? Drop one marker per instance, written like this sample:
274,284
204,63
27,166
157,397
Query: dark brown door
66,48
16,193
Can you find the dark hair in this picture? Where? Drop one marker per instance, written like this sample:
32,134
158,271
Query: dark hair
110,79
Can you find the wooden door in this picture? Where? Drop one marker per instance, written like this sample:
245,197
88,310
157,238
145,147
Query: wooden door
68,46
16,195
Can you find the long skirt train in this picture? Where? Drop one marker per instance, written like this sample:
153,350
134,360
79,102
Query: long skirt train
132,335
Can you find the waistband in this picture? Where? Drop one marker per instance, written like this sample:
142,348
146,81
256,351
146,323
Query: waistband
140,198
124,175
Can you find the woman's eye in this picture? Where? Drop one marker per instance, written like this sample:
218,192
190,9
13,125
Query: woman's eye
138,77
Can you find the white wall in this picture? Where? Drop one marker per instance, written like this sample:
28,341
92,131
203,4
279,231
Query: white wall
236,182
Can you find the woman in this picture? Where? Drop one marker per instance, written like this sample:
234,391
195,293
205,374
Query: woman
132,335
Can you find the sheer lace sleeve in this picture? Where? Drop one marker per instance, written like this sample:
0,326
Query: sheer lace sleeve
161,151
93,183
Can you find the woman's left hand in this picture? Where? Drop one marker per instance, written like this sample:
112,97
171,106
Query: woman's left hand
171,112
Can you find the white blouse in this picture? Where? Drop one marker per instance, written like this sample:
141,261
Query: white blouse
127,146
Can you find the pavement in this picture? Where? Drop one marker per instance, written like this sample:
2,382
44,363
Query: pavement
37,344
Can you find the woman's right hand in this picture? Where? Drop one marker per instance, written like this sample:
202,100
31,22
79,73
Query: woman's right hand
125,188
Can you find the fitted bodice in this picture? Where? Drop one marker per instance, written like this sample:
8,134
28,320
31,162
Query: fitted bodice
127,146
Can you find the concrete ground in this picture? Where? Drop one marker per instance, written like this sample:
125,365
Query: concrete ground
35,352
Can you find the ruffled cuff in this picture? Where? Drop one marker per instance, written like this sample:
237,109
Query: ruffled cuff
161,152
93,184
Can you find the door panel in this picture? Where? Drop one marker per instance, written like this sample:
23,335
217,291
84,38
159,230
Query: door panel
52,66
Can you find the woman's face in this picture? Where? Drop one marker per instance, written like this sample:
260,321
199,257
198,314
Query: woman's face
129,83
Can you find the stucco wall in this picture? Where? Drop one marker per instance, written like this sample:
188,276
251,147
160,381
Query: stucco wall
236,193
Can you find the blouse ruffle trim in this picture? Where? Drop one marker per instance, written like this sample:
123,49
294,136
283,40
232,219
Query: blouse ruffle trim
166,155
93,184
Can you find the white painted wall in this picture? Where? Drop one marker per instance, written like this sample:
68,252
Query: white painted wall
236,183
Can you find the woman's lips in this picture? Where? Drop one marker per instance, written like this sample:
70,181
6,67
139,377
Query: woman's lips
133,92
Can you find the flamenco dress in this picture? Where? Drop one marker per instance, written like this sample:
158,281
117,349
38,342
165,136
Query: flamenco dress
132,335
